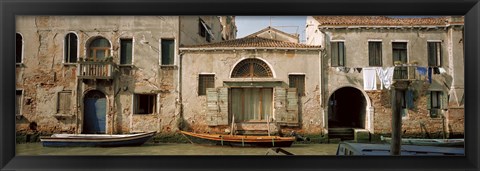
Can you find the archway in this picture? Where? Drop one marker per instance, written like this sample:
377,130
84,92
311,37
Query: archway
94,121
347,108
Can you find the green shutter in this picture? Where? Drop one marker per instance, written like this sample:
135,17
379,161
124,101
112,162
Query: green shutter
168,47
126,51
334,53
292,105
444,98
429,100
280,96
212,106
222,118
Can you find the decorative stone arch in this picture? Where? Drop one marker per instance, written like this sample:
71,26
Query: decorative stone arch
93,38
369,110
252,68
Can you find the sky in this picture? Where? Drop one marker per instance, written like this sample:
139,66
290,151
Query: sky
290,24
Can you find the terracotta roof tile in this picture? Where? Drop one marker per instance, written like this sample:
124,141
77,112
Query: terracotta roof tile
252,42
379,21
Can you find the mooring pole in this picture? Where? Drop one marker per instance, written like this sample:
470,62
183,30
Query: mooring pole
396,120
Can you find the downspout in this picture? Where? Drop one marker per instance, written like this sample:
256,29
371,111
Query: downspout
180,101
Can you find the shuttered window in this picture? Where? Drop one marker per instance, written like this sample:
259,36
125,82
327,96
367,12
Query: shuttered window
434,53
168,49
375,53
297,81
18,102
204,82
64,102
126,51
399,50
71,52
338,53
144,103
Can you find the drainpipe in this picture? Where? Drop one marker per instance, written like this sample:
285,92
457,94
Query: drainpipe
180,101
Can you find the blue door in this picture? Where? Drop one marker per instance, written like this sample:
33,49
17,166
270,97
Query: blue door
94,112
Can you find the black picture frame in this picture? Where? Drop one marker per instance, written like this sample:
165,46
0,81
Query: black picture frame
9,9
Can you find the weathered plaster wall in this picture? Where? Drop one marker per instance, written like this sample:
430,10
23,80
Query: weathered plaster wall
222,62
43,73
356,44
189,29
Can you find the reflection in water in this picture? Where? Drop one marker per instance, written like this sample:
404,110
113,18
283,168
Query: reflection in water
171,149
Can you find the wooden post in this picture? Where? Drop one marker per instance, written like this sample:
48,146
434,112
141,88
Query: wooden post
396,120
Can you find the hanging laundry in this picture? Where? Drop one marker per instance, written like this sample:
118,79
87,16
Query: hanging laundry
422,70
429,75
369,79
442,70
385,76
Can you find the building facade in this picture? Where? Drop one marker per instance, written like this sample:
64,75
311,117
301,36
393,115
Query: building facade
425,57
103,74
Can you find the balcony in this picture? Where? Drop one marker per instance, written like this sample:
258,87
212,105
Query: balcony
96,70
407,73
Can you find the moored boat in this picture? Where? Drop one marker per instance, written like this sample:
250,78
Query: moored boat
96,140
352,148
430,142
239,140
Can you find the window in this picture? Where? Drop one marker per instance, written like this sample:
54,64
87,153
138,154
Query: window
204,30
375,53
71,52
435,103
126,51
145,103
338,54
399,51
297,81
18,48
252,68
99,49
64,102
204,82
168,47
18,102
434,54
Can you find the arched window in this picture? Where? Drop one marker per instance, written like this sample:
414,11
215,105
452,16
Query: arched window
18,48
99,49
250,68
71,42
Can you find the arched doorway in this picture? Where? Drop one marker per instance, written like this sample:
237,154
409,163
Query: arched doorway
347,108
94,121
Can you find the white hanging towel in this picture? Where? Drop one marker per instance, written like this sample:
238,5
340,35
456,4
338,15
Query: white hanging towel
369,79
442,70
385,76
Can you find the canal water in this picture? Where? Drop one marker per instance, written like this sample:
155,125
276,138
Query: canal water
29,149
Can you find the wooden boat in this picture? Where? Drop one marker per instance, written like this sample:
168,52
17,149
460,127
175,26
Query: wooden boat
96,140
351,148
238,140
430,142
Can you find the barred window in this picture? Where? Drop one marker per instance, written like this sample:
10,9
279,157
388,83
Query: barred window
205,81
297,81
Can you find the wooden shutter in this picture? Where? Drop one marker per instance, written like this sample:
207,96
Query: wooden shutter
334,53
292,105
222,118
212,106
280,96
444,100
429,100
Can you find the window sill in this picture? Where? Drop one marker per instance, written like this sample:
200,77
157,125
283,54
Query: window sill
19,64
69,64
170,67
62,116
126,65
